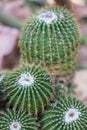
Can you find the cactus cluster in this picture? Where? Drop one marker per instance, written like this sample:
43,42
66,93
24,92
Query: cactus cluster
51,39
49,51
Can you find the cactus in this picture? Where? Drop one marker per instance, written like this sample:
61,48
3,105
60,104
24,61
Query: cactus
29,88
51,39
12,120
61,90
69,114
3,76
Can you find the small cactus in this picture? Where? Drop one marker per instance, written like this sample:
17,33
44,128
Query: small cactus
29,88
51,39
12,120
68,114
61,90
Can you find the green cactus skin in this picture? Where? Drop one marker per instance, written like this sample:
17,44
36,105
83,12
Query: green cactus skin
12,120
29,88
61,90
64,91
51,38
69,114
3,76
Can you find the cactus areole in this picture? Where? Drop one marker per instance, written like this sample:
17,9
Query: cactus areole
51,38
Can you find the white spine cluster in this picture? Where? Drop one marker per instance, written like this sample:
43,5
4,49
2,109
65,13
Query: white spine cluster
2,77
54,104
71,115
48,17
15,125
26,79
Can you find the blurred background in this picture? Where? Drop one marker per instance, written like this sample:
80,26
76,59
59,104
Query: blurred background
13,13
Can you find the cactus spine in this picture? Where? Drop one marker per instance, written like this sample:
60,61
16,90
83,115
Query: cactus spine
29,89
51,39
69,114
2,78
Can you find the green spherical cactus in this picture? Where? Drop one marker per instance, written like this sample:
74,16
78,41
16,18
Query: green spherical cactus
68,114
12,120
29,88
51,38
